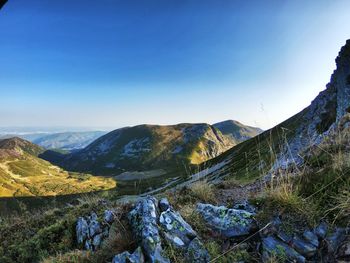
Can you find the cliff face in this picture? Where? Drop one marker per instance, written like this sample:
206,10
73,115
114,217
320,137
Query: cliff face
322,115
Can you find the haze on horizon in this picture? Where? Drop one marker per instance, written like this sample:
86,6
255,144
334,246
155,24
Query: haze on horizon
121,63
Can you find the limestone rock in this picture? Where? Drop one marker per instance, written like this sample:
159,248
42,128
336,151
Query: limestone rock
176,229
230,223
126,257
196,252
144,218
272,247
90,232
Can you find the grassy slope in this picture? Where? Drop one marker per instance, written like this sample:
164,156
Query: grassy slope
162,141
248,160
22,173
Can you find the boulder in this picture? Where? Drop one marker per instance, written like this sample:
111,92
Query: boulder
272,247
244,205
311,237
321,230
344,251
108,216
304,248
229,223
164,204
176,229
126,257
144,219
335,239
90,232
196,252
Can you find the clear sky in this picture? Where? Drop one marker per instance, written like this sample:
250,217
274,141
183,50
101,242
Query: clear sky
111,63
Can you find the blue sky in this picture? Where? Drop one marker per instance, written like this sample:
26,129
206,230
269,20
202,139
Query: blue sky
111,63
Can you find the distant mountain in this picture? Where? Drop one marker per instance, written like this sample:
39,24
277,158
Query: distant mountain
68,140
64,140
237,131
147,147
23,173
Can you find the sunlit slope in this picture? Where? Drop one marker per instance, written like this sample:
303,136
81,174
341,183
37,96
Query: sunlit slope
148,147
22,173
285,145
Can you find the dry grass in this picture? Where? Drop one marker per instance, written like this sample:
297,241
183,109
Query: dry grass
203,191
342,205
340,161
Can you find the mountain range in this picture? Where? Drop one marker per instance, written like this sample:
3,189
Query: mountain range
130,153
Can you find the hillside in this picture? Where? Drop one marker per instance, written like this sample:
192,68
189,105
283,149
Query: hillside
149,147
23,173
237,131
285,145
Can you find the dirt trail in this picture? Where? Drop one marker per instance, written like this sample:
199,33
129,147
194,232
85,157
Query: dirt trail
239,193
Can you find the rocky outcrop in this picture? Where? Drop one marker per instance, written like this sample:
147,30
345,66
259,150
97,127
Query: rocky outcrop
311,246
151,219
229,223
155,225
91,231
126,257
323,115
144,221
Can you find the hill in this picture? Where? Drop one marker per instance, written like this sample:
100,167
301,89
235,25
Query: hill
237,131
23,173
149,147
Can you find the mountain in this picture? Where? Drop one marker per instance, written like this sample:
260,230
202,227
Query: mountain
64,140
286,144
68,140
237,131
148,147
23,173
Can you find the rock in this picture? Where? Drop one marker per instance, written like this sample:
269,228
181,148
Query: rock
344,251
335,239
164,204
126,257
311,238
230,223
94,227
273,228
144,218
275,248
109,216
97,240
284,237
82,230
321,230
304,248
90,232
196,252
176,229
244,205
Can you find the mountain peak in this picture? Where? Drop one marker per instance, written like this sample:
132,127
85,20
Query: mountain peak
237,130
17,145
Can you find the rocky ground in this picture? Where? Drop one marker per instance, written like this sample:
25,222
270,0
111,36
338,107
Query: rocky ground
156,225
